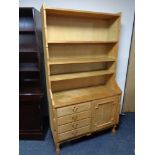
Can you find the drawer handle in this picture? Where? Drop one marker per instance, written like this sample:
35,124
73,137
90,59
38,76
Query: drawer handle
75,109
74,126
96,107
74,118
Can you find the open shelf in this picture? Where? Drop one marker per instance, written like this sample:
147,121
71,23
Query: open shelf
27,43
28,57
28,49
29,75
73,96
26,25
71,29
57,61
79,75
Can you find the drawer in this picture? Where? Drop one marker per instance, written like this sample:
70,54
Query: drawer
74,125
74,133
74,117
73,109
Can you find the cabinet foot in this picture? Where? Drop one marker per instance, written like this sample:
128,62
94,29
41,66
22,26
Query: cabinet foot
88,134
114,129
58,149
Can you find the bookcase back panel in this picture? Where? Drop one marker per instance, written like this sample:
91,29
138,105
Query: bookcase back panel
67,28
75,68
78,83
80,50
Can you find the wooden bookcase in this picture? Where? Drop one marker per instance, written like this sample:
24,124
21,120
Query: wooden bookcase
80,51
32,86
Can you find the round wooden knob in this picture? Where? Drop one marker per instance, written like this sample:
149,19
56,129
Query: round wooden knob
74,126
75,109
75,133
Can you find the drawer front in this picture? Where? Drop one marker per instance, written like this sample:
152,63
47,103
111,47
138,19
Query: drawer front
74,117
73,109
74,133
74,125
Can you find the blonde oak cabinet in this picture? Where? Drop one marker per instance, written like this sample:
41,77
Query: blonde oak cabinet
80,51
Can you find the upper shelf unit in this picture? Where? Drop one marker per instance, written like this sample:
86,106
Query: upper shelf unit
69,27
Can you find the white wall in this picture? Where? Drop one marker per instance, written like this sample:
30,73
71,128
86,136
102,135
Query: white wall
113,6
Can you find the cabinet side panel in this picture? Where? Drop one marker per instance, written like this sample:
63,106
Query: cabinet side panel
43,13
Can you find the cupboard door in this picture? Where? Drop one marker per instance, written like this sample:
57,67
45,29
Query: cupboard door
30,113
105,112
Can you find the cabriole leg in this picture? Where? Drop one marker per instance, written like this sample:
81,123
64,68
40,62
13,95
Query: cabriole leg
58,149
114,129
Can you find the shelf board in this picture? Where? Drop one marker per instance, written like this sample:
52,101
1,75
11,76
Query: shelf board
22,31
74,96
27,48
28,51
26,24
59,61
29,80
60,77
82,42
26,67
31,90
81,13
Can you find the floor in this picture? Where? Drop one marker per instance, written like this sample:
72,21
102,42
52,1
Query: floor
103,143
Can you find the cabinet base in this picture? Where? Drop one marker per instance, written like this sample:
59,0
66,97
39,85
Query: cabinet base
35,135
31,135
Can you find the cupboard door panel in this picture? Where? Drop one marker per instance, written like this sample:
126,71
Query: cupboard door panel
105,112
30,117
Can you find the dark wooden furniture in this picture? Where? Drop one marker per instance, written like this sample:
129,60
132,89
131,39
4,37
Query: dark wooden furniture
32,91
